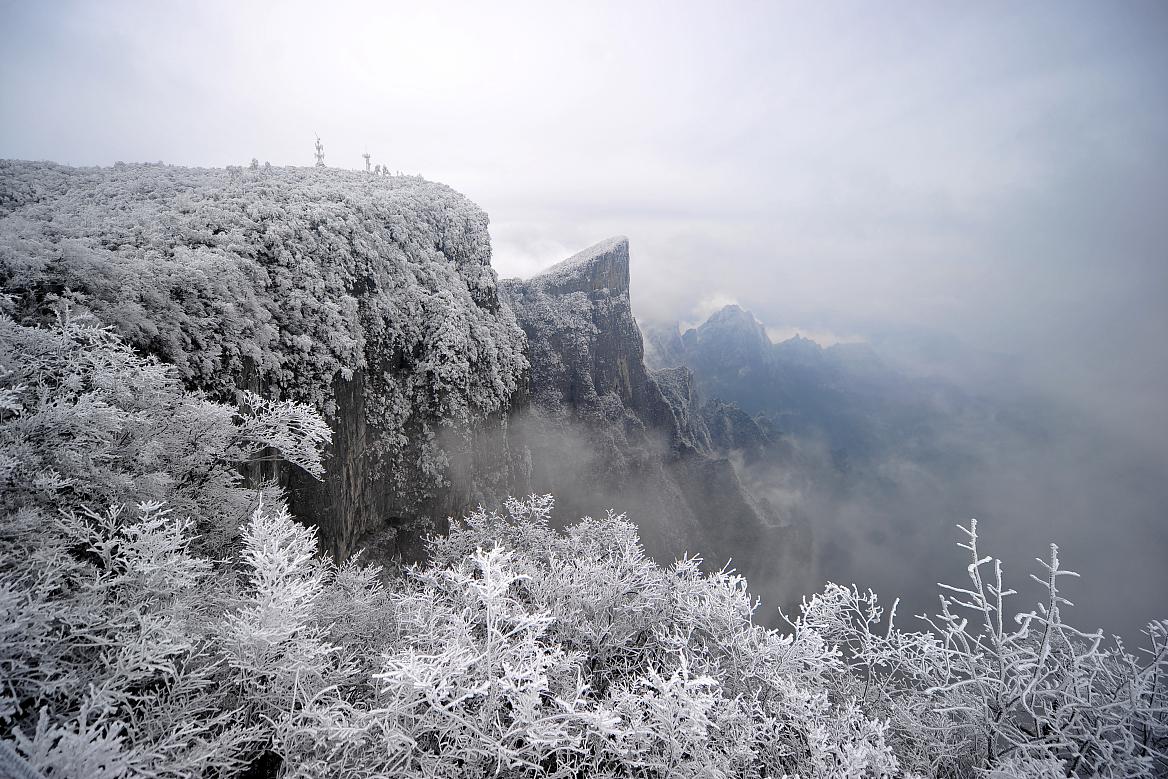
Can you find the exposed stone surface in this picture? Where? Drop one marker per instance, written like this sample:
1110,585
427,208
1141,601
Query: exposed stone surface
583,342
605,432
678,390
732,429
602,266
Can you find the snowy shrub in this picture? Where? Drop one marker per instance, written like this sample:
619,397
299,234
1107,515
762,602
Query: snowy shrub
160,619
85,421
564,654
846,692
112,473
696,687
1042,691
113,666
1000,696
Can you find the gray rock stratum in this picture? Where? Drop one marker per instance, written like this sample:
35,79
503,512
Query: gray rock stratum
603,431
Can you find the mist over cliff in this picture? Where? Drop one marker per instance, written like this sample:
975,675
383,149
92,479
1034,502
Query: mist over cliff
372,298
258,432
604,432
882,460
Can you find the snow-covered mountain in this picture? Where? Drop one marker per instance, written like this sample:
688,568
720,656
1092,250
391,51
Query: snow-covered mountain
373,298
166,615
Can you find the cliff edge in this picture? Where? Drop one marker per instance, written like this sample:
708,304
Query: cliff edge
603,431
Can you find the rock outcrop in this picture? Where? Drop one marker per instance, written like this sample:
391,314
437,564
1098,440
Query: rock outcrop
583,343
603,431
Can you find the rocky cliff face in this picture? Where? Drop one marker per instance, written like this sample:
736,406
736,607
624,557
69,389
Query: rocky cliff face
603,431
583,342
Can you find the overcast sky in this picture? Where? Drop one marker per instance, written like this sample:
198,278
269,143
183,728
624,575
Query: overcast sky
994,172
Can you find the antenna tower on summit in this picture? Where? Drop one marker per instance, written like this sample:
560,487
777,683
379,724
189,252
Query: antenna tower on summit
319,153
366,156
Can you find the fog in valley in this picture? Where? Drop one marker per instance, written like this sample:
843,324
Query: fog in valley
556,390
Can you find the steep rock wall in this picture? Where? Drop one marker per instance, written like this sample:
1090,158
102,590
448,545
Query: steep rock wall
604,431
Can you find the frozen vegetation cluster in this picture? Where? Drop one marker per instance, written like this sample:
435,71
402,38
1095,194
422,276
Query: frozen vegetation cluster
163,614
282,279
161,618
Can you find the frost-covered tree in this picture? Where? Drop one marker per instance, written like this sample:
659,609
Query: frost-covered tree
110,660
303,285
987,691
85,421
670,658
565,654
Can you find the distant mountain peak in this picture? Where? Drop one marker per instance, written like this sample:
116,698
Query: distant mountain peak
732,321
728,309
731,313
604,265
801,344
